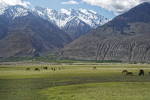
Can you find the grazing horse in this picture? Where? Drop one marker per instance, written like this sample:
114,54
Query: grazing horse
94,67
27,68
59,68
37,69
46,68
124,71
53,69
141,72
129,73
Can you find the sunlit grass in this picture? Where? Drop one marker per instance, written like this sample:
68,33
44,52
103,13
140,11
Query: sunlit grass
100,91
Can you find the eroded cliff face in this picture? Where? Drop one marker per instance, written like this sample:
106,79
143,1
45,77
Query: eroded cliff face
127,49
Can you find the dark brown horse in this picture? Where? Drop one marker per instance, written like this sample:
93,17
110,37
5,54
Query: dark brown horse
126,72
129,73
94,67
27,68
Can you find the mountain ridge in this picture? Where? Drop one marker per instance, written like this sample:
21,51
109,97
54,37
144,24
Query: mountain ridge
125,38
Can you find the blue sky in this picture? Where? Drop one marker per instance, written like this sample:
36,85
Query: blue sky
57,4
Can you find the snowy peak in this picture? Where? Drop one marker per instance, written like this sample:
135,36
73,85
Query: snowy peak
63,16
43,11
5,4
87,12
13,11
92,18
52,15
75,21
16,11
65,11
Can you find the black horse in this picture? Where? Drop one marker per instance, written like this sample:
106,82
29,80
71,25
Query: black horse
37,69
141,72
46,68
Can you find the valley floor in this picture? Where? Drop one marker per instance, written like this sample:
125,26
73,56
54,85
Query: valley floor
74,82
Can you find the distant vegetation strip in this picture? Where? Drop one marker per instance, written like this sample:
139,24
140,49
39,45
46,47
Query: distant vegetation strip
53,59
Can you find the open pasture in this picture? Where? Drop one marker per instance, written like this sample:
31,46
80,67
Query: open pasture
74,82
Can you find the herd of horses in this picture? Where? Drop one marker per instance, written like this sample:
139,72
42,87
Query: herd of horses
140,73
125,72
45,68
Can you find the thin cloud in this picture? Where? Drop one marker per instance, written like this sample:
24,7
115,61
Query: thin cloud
117,6
71,2
15,2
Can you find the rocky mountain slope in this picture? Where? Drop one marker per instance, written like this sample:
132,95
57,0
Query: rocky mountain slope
22,33
76,27
125,38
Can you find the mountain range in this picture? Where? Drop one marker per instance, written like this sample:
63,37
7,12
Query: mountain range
33,31
67,20
77,34
125,38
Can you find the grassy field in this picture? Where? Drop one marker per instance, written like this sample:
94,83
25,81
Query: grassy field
74,82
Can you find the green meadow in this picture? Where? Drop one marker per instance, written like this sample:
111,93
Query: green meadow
79,81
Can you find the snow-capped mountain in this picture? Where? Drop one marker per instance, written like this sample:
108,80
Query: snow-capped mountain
63,16
74,22
33,31
60,18
16,11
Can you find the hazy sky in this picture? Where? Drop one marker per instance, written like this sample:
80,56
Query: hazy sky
108,8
